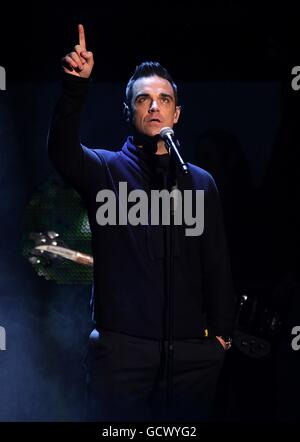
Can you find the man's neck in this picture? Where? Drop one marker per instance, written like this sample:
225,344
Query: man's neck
161,148
160,145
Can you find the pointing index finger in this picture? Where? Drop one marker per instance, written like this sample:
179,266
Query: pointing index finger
81,37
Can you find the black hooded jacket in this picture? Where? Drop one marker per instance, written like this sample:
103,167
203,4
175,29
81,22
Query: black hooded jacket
130,271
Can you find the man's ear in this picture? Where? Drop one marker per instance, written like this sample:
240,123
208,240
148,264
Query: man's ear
127,112
177,114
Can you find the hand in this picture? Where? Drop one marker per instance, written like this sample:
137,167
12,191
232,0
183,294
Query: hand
79,62
221,340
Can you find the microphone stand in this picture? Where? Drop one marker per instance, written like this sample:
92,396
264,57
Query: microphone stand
170,270
170,255
167,135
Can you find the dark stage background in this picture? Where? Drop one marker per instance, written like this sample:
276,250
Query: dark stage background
240,120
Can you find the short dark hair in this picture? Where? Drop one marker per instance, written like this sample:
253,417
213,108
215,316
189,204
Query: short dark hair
148,69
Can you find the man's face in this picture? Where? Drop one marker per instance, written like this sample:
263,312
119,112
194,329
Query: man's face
153,105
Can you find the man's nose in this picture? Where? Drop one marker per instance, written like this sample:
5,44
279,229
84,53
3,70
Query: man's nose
154,106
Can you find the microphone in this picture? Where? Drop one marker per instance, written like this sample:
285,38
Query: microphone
167,134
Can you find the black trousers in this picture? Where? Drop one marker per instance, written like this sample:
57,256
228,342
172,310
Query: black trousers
127,378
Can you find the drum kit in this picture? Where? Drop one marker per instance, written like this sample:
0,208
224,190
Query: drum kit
257,326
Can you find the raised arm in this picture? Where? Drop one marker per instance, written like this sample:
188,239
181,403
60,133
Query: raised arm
65,150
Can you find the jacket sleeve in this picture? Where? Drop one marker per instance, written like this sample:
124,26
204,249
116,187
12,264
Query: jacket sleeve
71,159
220,298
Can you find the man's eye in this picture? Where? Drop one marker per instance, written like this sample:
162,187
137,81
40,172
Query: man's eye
165,99
141,99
